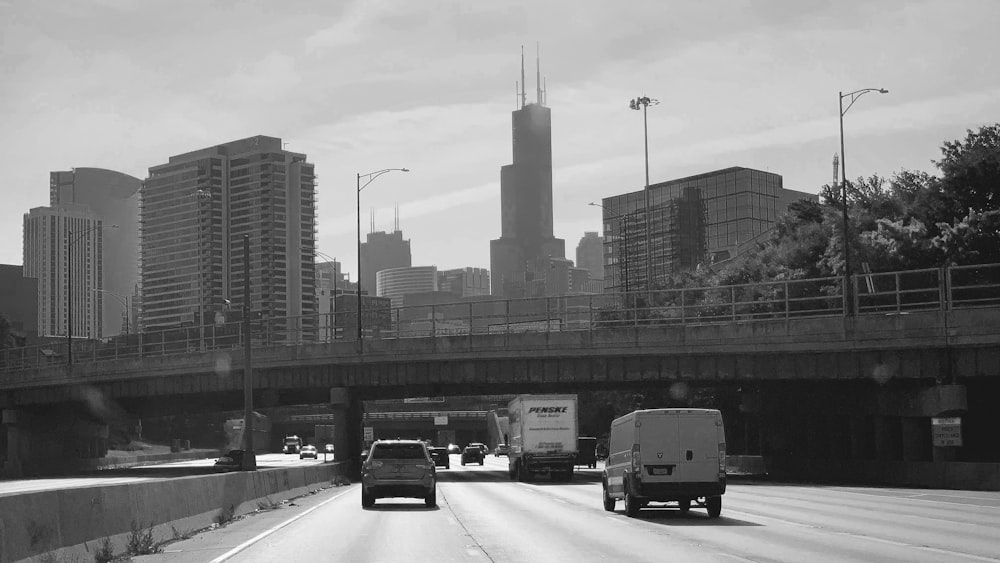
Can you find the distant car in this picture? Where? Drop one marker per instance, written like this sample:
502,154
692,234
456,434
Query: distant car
586,451
328,448
231,461
482,447
440,457
454,449
502,449
398,468
307,451
472,454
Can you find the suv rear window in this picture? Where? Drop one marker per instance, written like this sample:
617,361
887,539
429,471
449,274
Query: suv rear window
398,451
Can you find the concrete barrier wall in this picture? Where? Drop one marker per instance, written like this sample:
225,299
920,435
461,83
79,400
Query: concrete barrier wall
70,523
925,474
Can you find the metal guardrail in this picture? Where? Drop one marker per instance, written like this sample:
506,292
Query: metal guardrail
900,292
465,415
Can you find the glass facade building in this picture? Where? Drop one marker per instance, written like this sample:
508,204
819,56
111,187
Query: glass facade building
706,218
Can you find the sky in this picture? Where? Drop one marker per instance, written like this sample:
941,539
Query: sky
365,85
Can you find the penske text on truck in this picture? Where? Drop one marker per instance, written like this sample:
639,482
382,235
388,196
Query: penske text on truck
542,436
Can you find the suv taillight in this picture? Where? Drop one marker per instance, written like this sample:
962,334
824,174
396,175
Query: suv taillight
636,458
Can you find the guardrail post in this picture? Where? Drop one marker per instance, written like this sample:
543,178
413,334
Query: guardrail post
787,312
898,291
944,288
683,309
732,301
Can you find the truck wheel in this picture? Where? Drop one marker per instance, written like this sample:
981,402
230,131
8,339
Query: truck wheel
714,506
367,499
632,504
523,473
512,471
609,503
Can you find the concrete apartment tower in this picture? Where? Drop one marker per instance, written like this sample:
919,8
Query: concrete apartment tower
519,259
195,210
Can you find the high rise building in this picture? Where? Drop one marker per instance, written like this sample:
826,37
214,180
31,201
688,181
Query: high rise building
706,218
464,282
590,254
113,197
520,258
64,251
395,283
194,213
19,305
383,251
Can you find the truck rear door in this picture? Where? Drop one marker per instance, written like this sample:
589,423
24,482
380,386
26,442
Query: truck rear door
658,441
699,446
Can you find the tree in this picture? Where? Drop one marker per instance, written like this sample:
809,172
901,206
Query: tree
971,170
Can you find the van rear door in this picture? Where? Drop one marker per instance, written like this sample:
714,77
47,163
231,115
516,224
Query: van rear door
658,447
699,434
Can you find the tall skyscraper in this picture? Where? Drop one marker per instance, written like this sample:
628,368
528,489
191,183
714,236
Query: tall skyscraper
195,210
113,197
590,254
60,240
383,251
520,257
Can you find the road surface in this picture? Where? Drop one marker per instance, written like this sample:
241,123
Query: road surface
483,516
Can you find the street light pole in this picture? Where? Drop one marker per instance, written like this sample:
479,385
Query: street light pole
848,286
645,102
121,299
370,178
69,284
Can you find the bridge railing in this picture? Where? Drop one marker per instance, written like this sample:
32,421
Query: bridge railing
874,293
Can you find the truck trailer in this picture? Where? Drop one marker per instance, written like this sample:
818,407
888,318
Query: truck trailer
542,435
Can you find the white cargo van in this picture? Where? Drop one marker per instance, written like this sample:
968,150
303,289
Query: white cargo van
666,455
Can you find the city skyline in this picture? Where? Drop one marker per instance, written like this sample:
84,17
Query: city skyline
750,87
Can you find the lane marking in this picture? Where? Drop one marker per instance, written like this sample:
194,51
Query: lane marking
266,533
958,553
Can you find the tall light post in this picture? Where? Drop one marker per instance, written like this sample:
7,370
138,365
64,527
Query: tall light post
331,329
121,299
369,178
70,240
644,102
853,96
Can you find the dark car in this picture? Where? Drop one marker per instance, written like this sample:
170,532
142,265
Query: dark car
232,461
440,457
398,468
586,451
472,454
502,449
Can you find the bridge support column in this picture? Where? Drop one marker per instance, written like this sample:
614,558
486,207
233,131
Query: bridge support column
11,467
50,441
347,427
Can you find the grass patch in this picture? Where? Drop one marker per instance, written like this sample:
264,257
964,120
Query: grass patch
225,515
105,551
141,540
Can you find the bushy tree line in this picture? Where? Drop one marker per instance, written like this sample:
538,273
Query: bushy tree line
911,221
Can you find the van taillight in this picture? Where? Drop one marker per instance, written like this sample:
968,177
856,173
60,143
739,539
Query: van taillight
636,458
722,458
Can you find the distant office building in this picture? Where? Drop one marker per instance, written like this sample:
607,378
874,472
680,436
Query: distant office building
382,251
395,283
707,218
331,282
195,211
590,254
60,240
464,282
113,197
520,258
19,304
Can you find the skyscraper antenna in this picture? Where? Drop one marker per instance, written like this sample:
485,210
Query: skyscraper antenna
524,93
538,74
517,94
545,92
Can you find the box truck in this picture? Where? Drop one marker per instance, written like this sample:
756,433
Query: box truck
666,455
542,433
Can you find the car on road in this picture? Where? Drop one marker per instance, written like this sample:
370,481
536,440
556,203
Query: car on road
441,457
398,468
454,449
328,448
307,451
502,449
483,447
231,461
472,454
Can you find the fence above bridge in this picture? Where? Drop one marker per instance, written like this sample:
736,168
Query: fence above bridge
902,292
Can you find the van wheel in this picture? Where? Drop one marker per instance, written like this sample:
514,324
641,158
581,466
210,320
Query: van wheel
609,503
714,506
684,505
632,504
